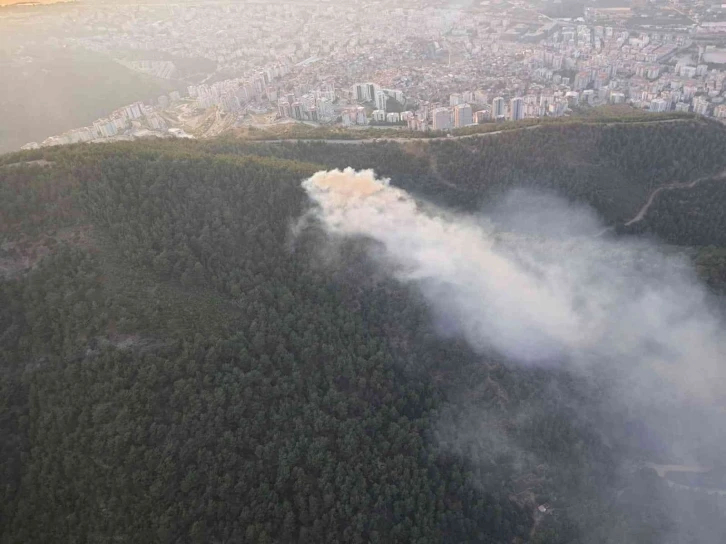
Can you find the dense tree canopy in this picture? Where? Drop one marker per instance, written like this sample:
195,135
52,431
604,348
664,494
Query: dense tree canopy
177,366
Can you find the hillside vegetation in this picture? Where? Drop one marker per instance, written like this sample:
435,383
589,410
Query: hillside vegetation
177,366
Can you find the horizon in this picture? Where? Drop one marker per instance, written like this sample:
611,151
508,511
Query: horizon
6,3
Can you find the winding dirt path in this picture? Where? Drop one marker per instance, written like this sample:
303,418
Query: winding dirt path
671,186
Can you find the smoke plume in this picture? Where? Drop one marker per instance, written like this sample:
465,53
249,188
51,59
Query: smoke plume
529,281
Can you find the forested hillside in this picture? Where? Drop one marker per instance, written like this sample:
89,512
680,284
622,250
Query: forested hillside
611,166
178,366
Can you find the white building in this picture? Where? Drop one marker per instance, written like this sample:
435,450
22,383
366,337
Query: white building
700,105
573,98
134,111
361,92
683,107
659,105
395,94
381,99
325,109
105,128
283,108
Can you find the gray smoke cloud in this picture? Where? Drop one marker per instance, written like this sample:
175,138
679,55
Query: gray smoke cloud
530,281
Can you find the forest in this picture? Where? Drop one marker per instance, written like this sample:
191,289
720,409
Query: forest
177,365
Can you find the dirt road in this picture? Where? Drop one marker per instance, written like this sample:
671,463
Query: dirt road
644,210
450,138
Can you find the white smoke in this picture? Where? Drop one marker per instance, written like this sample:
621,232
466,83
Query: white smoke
599,306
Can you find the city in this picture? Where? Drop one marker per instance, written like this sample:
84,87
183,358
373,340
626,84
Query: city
415,67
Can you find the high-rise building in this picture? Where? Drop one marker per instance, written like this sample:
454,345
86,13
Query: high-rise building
328,91
700,105
360,92
601,79
283,108
229,102
297,110
572,98
582,79
120,122
441,118
689,91
381,99
463,115
688,71
455,99
424,111
104,128
347,117
244,94
659,105
134,111
365,92
259,84
372,89
516,109
498,107
395,94
156,122
325,109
